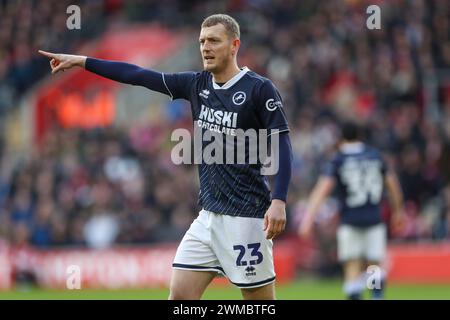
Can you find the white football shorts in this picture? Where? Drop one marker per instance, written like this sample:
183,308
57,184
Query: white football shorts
233,246
361,243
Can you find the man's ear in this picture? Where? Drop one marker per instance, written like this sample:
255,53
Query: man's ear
236,44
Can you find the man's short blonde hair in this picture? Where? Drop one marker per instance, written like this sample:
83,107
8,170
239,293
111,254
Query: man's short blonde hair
228,22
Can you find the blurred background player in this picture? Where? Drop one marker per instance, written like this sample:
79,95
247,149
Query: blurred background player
359,174
239,217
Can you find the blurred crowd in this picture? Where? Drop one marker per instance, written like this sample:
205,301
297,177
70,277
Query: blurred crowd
99,187
29,25
112,185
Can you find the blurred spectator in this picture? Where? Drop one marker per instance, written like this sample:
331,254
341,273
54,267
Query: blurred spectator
41,228
101,230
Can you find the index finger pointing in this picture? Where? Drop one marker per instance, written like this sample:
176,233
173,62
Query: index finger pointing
47,54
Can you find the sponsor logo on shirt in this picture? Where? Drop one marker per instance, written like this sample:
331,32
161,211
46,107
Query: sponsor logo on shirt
271,104
218,120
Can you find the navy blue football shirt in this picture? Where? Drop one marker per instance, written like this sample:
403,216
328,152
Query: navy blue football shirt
247,101
359,172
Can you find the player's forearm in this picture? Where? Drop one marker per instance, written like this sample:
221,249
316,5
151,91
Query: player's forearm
318,195
127,73
283,177
314,202
397,201
395,193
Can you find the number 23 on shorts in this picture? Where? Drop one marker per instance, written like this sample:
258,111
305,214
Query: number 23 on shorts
254,247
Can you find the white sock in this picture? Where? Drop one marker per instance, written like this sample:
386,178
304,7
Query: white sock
353,287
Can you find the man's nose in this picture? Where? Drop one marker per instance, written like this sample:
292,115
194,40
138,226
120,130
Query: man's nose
206,46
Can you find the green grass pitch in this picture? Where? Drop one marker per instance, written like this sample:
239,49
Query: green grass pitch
309,289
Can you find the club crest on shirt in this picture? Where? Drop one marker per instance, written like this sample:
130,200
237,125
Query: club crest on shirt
239,98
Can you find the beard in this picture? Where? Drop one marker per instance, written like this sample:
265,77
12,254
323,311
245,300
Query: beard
217,67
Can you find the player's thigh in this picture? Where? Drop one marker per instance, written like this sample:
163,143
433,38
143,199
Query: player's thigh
194,251
266,292
350,243
195,263
188,284
376,241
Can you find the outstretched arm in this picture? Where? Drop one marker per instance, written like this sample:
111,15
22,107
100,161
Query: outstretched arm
320,192
118,71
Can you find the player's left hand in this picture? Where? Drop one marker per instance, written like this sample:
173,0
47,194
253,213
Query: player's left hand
275,219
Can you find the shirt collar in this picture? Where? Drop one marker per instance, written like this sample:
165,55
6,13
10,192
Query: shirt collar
232,81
